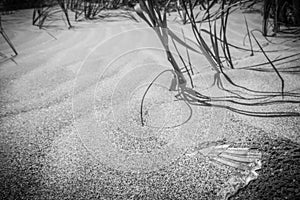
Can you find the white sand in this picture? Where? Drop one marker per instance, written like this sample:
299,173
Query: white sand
75,95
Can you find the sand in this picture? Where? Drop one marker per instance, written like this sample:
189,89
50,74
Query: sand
70,125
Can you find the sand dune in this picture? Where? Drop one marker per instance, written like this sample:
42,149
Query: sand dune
70,110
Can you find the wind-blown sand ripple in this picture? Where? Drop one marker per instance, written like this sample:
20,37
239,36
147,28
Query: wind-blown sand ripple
65,88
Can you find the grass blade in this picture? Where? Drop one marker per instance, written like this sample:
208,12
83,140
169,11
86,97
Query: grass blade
187,70
177,39
248,33
271,63
187,53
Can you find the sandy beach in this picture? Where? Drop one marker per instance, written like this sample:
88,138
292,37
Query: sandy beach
70,101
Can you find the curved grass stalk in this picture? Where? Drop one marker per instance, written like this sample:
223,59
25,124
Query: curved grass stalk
144,95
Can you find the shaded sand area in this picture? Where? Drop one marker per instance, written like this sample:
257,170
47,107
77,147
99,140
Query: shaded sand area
70,124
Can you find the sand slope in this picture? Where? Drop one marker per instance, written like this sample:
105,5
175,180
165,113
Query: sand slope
70,102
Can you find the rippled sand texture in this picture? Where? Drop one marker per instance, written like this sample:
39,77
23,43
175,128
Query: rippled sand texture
70,110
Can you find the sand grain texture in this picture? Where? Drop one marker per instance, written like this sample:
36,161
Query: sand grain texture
69,124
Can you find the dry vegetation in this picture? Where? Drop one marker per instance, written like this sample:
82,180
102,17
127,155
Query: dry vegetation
208,21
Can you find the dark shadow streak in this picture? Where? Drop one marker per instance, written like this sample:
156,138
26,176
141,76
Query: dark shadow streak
276,60
188,95
294,69
253,91
6,58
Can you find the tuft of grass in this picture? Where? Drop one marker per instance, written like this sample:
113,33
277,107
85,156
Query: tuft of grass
150,12
89,9
43,11
219,44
